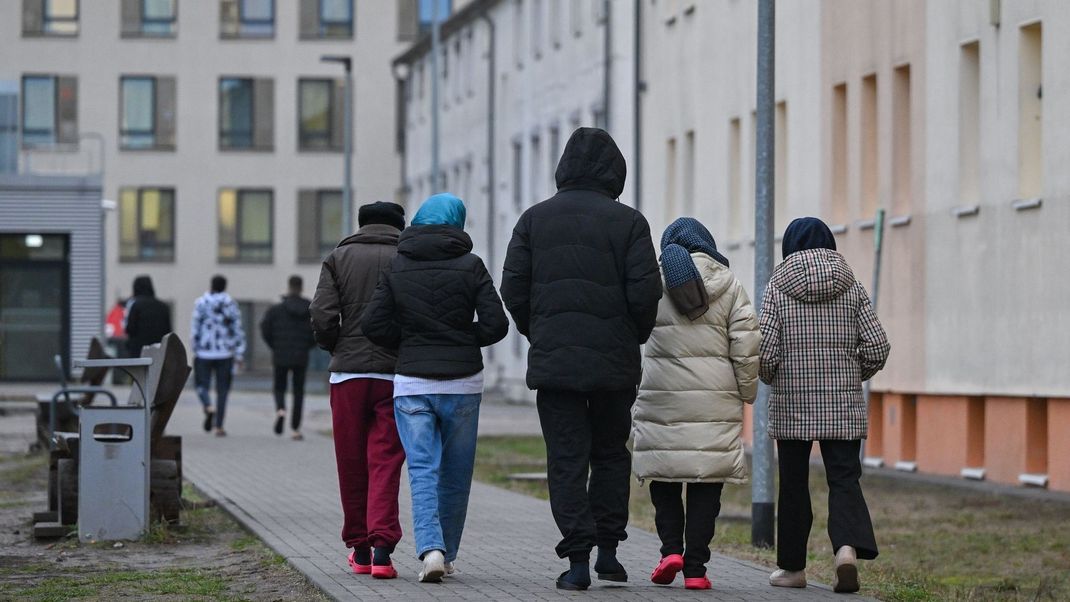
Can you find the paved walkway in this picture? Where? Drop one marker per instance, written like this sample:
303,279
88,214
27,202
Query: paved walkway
286,492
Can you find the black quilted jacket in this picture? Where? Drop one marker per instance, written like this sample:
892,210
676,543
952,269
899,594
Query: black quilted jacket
437,304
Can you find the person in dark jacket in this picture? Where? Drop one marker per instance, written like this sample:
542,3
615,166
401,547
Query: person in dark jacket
366,443
287,331
582,283
437,304
147,318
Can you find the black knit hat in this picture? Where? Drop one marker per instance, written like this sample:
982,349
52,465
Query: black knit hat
381,212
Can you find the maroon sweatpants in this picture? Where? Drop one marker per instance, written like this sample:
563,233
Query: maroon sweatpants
370,456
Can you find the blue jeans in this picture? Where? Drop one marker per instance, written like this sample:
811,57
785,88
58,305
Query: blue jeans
223,369
438,433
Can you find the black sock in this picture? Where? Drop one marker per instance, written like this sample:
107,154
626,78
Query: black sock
362,556
382,556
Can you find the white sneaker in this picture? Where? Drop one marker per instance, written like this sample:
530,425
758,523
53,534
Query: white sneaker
450,569
782,578
846,571
434,567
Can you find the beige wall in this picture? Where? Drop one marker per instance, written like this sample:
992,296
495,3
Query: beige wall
196,57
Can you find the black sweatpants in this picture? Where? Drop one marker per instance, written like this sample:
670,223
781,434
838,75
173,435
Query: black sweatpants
687,533
588,466
849,522
298,379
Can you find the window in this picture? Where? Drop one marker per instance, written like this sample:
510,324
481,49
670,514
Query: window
838,188
598,117
320,111
147,119
902,197
781,186
969,123
427,13
1030,112
535,179
671,212
245,225
246,113
149,18
536,28
319,223
576,17
518,33
869,146
147,224
9,127
554,156
735,176
689,172
247,18
50,17
518,168
49,110
326,19
555,23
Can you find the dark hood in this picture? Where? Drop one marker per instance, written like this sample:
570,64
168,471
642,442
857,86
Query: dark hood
592,161
296,306
807,233
143,287
814,276
434,243
373,234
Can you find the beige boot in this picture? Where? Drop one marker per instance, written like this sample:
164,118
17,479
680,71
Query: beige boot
782,578
846,571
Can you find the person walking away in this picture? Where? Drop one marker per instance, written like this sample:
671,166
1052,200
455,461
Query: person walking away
700,366
287,330
218,343
366,444
437,304
147,318
820,340
582,283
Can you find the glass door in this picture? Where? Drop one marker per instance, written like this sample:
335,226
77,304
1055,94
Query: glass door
34,305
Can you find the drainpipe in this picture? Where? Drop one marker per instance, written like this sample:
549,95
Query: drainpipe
640,87
608,52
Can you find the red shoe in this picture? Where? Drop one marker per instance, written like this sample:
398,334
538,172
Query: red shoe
697,583
360,569
384,571
666,570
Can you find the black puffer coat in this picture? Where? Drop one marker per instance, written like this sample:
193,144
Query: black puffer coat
425,305
287,331
147,318
581,279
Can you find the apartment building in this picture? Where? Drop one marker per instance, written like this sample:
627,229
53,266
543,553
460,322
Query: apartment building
218,128
951,117
516,77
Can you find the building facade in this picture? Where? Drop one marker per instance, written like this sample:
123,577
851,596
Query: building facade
220,128
516,78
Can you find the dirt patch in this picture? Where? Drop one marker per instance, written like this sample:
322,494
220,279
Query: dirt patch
210,557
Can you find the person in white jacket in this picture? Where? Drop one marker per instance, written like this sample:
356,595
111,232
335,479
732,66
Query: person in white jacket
218,343
699,367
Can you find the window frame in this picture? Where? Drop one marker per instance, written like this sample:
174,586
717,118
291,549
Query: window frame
221,133
144,20
46,19
317,220
302,145
53,133
140,258
152,112
239,245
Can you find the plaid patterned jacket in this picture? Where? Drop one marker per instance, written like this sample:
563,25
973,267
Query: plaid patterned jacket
820,341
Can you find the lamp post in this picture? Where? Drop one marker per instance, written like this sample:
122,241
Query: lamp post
347,140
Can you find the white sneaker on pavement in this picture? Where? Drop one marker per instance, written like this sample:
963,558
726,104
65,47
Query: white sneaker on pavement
434,567
450,569
782,578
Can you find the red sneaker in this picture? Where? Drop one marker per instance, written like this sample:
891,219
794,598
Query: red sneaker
666,570
384,571
697,583
360,569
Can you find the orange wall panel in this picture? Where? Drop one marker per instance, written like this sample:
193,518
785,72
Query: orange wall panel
1059,444
899,420
942,434
1005,438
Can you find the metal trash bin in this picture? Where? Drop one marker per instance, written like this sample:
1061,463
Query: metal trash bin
113,473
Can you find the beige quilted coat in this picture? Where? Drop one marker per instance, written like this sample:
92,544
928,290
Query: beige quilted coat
688,418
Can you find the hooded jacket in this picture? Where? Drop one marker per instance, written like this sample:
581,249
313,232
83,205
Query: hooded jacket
697,374
820,340
288,332
436,304
581,279
216,329
147,318
347,281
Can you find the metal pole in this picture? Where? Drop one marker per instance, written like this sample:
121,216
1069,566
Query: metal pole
878,246
762,508
608,64
347,189
434,96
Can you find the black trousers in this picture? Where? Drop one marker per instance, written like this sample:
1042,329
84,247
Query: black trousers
849,522
688,533
588,466
298,378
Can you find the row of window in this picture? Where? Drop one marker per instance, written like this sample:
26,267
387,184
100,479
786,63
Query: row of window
147,113
246,224
319,19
